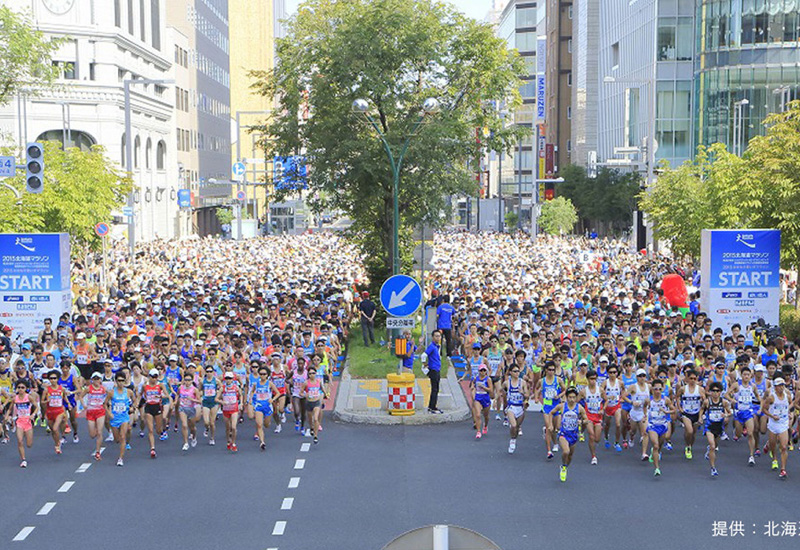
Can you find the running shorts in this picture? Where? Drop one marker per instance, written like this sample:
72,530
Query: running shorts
516,410
264,408
657,428
311,405
693,417
52,413
611,411
571,437
594,418
153,409
714,428
743,416
483,399
24,424
94,414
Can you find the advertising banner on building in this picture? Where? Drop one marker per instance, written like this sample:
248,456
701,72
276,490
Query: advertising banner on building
34,280
740,272
540,151
541,83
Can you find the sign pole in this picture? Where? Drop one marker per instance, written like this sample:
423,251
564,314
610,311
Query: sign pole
104,279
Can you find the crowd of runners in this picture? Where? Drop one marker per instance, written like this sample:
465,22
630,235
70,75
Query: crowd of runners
580,330
207,332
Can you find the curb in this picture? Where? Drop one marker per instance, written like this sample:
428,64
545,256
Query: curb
340,414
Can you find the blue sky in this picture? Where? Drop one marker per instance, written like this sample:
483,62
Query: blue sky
473,8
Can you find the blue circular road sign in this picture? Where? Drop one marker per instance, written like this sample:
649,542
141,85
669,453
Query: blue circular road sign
401,295
101,229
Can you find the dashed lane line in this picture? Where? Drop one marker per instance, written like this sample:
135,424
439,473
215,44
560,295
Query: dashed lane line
294,482
44,510
285,505
23,534
280,527
299,464
66,486
305,447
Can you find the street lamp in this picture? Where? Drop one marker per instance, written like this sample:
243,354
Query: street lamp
651,141
129,154
738,125
361,107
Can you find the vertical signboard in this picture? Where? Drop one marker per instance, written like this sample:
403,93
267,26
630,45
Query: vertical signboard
541,83
740,276
541,150
34,280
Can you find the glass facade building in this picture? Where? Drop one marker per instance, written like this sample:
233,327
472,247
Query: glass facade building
746,49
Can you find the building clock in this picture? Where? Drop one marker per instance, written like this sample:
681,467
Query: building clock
59,7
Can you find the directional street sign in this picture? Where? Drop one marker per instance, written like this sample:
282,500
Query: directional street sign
238,169
127,211
8,167
400,322
101,229
401,296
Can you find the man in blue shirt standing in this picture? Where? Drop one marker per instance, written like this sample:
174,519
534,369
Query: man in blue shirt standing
434,355
444,322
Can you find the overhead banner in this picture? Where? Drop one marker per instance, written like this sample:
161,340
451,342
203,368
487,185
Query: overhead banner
541,82
34,280
740,276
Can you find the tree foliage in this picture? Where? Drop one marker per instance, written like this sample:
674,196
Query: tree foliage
81,188
395,54
24,55
558,216
610,198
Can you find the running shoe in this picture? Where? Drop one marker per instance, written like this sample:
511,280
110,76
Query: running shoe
505,423
581,437
497,417
255,437
766,449
212,442
478,434
127,446
185,447
724,436
193,442
714,472
645,458
152,453
67,429
708,450
164,436
4,441
774,464
75,438
110,437
544,432
58,450
175,428
234,448
519,432
307,433
120,463
624,444
607,444
650,459
97,456
782,475
563,474
757,453
263,446
205,432
229,446
283,418
618,447
23,464
688,453
278,429
63,439
594,461
751,461
657,472
297,424
555,447
512,446
549,456
744,432
668,446
316,440
485,429
141,433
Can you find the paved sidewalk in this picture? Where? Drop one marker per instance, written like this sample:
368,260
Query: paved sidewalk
364,401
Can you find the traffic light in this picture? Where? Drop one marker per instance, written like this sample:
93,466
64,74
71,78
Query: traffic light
34,168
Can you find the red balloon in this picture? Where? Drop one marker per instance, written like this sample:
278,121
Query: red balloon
674,289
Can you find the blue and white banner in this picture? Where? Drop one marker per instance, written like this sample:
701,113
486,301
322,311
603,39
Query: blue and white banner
740,276
34,280
290,173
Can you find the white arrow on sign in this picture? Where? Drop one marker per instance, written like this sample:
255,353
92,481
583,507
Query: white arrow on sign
396,300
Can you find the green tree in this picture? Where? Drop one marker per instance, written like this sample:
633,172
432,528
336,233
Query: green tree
395,54
604,202
712,191
512,219
81,188
558,216
224,215
24,55
773,180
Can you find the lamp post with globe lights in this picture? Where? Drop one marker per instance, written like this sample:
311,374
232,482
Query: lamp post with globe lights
361,108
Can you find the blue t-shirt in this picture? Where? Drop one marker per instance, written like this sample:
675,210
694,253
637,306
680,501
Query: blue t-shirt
408,362
445,316
434,354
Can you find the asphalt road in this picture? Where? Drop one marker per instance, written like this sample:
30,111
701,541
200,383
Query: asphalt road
364,485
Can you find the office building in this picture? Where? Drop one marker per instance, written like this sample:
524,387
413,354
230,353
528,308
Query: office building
107,43
558,131
585,82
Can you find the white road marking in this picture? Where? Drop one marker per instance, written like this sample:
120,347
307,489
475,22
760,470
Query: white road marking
280,527
23,534
299,464
273,548
305,447
66,487
285,505
83,467
102,449
44,510
294,482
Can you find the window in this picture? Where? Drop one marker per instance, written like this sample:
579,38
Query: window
123,150
569,112
615,56
569,11
569,78
155,22
75,138
526,41
137,146
92,71
528,89
161,155
141,21
117,14
569,45
526,17
130,16
569,145
148,151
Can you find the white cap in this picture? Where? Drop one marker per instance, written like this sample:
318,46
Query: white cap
603,359
96,375
80,336
153,372
778,382
173,357
641,372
